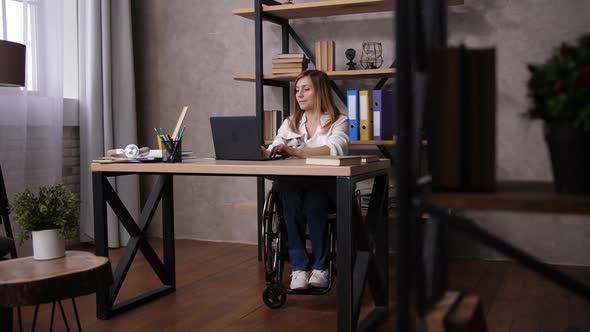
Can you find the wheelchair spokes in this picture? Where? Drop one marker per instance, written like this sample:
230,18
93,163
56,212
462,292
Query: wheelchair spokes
272,241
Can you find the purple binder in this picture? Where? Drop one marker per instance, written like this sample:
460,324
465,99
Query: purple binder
383,114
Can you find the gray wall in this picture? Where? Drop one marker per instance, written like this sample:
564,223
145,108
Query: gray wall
187,52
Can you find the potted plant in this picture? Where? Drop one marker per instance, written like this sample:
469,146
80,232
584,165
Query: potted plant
51,217
560,93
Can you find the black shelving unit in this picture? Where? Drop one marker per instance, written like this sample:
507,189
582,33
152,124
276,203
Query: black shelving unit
420,25
287,32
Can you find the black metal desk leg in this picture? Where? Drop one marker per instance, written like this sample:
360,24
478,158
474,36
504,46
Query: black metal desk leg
6,319
168,231
104,193
345,256
100,238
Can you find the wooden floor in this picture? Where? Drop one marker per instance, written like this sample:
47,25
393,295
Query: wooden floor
219,287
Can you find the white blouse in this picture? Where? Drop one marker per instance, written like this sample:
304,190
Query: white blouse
335,137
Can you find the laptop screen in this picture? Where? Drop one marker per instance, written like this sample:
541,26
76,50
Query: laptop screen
236,138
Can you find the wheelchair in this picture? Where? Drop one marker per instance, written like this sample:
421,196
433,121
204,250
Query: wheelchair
275,253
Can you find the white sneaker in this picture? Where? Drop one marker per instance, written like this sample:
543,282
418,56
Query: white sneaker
300,280
319,278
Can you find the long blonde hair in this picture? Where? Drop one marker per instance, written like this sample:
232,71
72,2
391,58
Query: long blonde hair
323,99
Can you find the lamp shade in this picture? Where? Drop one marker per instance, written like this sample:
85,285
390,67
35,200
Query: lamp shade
12,63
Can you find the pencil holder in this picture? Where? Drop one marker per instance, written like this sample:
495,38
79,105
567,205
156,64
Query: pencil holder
174,151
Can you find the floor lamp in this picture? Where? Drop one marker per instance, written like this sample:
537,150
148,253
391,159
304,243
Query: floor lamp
12,74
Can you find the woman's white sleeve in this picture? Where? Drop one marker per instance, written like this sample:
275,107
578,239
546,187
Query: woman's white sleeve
338,139
282,134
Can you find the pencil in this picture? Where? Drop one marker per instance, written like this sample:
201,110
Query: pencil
158,138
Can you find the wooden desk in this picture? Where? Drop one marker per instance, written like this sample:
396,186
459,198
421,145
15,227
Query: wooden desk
362,249
26,281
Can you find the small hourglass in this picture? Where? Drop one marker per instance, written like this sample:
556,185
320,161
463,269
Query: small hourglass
372,56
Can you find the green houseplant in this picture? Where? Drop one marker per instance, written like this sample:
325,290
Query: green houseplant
54,209
559,90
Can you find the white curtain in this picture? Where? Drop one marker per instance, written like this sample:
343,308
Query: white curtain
31,118
107,103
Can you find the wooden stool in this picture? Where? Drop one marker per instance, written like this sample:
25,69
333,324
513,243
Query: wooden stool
26,281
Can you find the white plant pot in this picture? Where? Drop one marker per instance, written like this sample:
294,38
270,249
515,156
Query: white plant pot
48,245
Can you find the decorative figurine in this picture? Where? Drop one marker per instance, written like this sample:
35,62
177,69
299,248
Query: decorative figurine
372,57
350,53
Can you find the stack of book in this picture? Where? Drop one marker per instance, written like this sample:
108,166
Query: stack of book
289,64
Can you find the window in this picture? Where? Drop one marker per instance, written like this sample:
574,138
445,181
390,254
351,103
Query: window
18,19
15,16
71,49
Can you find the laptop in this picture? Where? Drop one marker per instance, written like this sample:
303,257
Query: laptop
237,138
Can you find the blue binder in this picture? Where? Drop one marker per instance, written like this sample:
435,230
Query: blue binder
383,114
352,107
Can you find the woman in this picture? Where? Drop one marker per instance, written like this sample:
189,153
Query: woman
315,128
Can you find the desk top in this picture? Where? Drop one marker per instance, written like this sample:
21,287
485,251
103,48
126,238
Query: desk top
291,167
25,281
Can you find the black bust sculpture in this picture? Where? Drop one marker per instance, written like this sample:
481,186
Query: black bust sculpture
350,54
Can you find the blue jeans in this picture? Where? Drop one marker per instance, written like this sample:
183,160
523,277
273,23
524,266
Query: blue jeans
301,207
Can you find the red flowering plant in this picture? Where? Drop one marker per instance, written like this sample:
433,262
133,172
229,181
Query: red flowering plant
560,88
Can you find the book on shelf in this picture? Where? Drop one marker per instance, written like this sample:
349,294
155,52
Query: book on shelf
272,121
299,61
324,55
334,160
289,65
287,70
324,48
331,62
462,121
291,56
318,54
369,158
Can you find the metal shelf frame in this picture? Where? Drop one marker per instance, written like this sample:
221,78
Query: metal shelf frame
287,31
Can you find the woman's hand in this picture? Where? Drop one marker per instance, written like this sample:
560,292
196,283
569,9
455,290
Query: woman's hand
265,153
284,150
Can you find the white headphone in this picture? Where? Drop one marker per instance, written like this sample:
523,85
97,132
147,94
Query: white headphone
131,151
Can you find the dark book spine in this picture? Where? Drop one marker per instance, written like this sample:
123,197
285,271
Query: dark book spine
462,120
445,146
481,71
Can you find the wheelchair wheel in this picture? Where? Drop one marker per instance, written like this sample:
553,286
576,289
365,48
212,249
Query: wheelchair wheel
272,240
274,296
